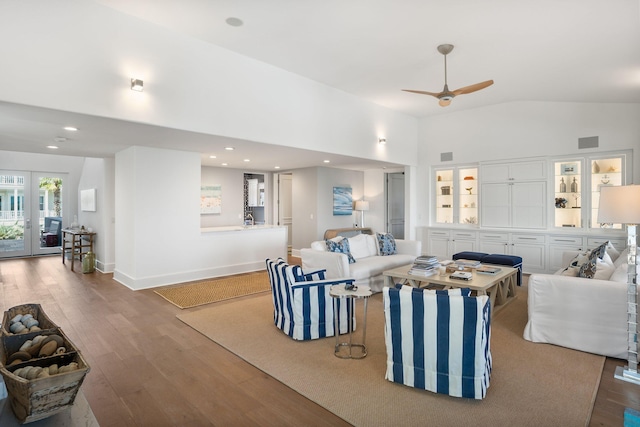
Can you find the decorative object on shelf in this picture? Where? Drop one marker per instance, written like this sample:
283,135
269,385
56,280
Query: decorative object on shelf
563,186
439,178
468,178
621,205
612,169
574,185
575,198
446,206
471,220
596,167
469,189
568,168
473,204
561,202
446,190
605,180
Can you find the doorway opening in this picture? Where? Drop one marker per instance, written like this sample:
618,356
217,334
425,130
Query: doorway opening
394,191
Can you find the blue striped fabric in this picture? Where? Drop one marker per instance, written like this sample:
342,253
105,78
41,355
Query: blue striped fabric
438,341
303,309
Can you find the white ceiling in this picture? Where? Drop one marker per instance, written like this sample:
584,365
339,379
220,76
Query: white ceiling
542,50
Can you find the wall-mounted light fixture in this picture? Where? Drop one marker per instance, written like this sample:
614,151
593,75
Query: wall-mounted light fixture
382,141
136,84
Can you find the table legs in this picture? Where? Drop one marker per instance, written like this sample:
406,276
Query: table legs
344,350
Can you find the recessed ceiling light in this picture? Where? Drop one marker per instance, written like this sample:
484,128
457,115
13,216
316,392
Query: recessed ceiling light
247,160
212,157
224,164
229,148
53,147
327,161
234,22
70,128
276,167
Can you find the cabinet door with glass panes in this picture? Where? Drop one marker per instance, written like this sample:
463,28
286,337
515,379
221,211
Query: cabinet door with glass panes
567,190
468,196
444,192
456,196
604,171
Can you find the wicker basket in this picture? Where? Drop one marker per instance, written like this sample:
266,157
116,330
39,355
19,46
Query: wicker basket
34,309
32,400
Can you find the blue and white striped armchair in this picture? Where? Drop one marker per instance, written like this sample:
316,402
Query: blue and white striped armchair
303,308
438,340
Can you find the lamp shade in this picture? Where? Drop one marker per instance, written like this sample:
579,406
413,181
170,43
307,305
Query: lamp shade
619,205
362,205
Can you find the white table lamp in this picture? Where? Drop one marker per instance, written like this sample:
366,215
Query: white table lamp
621,205
362,206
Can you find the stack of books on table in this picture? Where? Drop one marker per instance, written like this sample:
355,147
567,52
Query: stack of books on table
425,265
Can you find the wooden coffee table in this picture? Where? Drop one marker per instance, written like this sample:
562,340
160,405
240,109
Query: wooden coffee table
500,287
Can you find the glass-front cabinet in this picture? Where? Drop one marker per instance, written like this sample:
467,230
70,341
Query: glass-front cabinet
468,196
456,195
567,183
576,188
444,196
604,172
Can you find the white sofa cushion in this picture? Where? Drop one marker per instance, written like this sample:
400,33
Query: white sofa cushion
362,246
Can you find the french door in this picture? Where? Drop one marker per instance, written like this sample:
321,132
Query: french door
31,213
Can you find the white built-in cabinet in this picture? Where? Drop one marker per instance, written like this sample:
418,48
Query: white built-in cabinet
515,206
513,195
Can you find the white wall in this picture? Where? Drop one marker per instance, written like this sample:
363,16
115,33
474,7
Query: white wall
189,84
232,182
523,129
158,235
99,174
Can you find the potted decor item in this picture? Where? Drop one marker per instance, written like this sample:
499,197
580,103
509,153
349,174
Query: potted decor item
89,262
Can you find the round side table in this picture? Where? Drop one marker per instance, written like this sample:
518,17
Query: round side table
344,350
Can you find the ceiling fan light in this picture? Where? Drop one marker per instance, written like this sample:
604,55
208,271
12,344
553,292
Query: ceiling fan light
445,101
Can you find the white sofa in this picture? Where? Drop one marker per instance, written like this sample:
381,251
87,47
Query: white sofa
369,265
580,313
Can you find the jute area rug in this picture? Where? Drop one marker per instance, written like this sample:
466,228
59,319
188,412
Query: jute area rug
208,291
531,384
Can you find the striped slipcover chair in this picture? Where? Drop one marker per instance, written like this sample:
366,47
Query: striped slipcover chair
438,340
303,308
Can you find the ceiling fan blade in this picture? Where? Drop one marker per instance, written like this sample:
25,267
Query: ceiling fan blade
473,88
421,92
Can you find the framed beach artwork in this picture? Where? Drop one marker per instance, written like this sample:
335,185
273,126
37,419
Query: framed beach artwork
342,201
211,199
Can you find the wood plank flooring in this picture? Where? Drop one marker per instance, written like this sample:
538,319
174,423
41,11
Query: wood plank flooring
150,369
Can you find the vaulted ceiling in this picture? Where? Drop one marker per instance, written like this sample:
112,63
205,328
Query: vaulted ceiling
584,51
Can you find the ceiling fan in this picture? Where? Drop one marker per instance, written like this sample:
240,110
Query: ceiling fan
447,95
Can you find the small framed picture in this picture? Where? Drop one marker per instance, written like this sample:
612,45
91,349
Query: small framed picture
568,168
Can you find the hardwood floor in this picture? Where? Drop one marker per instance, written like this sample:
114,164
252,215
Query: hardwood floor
150,369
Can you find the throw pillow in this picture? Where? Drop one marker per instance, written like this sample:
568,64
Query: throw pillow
341,247
604,268
620,274
386,244
573,269
358,246
599,251
588,269
613,252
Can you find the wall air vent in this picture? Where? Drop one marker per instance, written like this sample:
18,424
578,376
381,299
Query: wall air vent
588,142
446,157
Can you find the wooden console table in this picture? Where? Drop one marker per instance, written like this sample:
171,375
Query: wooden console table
77,242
